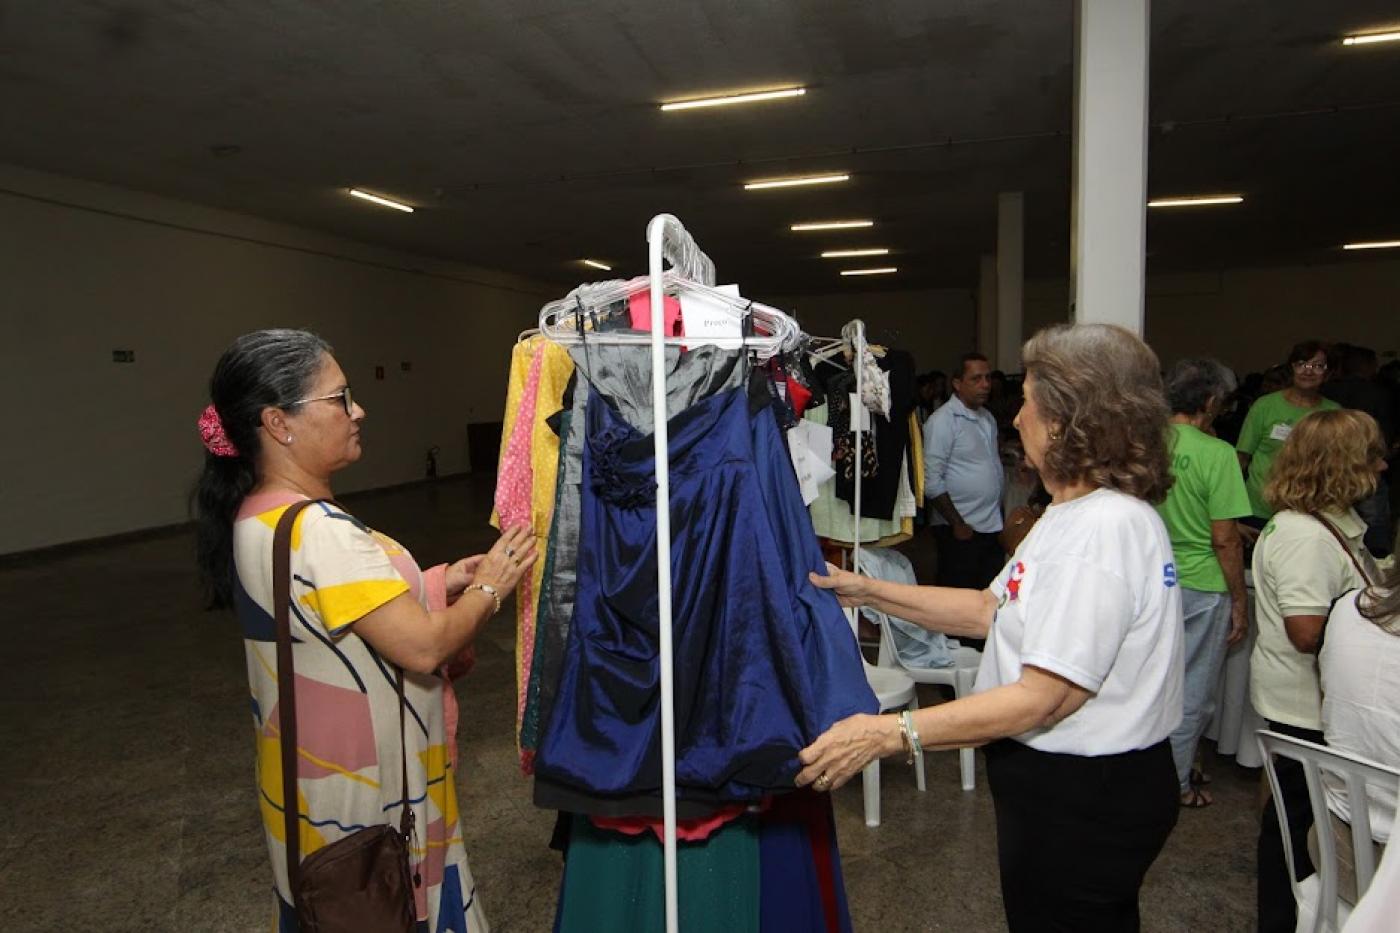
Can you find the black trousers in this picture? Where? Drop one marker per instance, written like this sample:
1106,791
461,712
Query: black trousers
1278,912
1076,835
971,564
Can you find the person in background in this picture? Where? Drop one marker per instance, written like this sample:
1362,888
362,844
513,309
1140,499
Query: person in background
932,392
1359,669
1206,497
963,479
1275,379
1080,683
1272,417
1308,555
283,420
1356,386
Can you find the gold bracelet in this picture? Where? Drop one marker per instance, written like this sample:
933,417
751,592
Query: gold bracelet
489,590
904,738
906,720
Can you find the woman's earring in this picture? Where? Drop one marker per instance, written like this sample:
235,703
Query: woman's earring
289,438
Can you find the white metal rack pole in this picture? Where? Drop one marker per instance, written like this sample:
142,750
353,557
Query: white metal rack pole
857,417
665,231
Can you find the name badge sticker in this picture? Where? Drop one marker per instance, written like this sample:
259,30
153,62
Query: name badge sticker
1281,431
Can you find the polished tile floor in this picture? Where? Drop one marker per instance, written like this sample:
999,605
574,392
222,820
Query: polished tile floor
126,786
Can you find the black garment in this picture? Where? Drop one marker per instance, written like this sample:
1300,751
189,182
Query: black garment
880,479
1076,835
1278,912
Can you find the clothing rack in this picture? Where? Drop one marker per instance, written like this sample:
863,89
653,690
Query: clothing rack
568,322
853,338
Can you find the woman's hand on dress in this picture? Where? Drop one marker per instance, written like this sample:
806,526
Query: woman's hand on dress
508,560
850,587
843,751
460,575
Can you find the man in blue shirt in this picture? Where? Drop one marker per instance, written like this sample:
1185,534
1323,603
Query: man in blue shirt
963,479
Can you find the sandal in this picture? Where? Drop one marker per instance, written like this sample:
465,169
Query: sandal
1199,778
1196,799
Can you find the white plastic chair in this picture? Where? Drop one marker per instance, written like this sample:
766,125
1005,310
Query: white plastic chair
894,691
1376,911
962,676
1320,910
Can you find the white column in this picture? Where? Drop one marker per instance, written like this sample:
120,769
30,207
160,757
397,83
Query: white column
1109,225
1011,241
986,310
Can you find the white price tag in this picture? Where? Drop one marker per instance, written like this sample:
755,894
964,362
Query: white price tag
703,317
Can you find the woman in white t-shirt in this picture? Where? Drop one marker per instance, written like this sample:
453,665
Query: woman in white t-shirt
1081,679
1360,667
1307,556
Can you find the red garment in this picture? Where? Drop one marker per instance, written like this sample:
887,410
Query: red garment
639,307
695,830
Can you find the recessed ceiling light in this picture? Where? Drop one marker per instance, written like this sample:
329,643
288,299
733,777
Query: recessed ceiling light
847,253
597,265
795,181
1199,200
831,225
382,201
748,98
883,270
1371,38
1374,244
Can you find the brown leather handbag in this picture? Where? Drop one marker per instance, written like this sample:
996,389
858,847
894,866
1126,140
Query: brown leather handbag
362,883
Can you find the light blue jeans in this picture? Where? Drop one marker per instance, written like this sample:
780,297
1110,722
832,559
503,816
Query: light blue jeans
1207,622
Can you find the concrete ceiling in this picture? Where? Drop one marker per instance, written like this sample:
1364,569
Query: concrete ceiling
527,132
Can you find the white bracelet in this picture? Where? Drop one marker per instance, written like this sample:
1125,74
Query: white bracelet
489,590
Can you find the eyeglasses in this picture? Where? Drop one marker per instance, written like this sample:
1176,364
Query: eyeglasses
1308,367
343,395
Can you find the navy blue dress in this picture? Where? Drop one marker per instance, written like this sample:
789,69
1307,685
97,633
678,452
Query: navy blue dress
765,661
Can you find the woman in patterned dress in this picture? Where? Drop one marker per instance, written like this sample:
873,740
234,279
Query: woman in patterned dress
283,420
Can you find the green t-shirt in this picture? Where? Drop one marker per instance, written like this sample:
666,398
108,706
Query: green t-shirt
1266,427
1208,487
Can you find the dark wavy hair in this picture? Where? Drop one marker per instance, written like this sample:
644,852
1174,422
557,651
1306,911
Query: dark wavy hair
1099,387
267,368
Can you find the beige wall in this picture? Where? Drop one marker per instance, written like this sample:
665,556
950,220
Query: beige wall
1249,318
94,448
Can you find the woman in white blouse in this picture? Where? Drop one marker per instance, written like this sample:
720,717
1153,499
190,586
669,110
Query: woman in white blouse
1360,667
1308,555
1081,679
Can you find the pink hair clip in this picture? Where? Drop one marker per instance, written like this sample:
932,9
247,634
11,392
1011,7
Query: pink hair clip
211,431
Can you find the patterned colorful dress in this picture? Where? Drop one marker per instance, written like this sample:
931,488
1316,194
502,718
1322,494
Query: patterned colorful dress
347,708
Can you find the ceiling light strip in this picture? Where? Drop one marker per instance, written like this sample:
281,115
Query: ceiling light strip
1372,38
831,225
795,181
381,201
883,270
1202,200
850,253
1374,244
597,265
749,98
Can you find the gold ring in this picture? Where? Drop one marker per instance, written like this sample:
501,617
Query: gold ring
822,782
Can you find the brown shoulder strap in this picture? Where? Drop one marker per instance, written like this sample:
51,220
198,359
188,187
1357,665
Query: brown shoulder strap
1365,577
286,690
287,698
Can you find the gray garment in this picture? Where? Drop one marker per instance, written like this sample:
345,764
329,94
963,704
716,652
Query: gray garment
915,645
622,375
